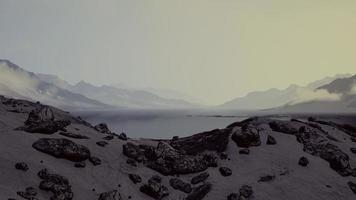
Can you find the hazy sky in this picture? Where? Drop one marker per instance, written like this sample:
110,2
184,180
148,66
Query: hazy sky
212,49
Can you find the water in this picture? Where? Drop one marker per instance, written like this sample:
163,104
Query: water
158,125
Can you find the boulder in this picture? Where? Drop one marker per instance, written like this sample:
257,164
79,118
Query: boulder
111,195
134,152
154,189
199,192
303,161
199,178
42,121
225,171
246,137
62,148
102,128
246,192
338,160
135,178
95,160
180,185
73,135
271,140
21,166
244,151
57,184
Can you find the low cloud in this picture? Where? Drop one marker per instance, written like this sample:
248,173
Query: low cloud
307,95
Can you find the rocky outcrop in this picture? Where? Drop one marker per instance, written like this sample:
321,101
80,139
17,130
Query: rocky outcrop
62,148
200,178
43,121
111,195
180,185
199,192
215,140
246,137
57,184
73,135
154,188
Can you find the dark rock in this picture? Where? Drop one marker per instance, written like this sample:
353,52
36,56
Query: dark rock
73,135
95,160
225,171
102,128
102,143
199,192
180,185
21,166
43,121
352,186
135,178
353,139
246,192
30,193
243,123
244,151
62,148
232,196
57,184
353,150
111,195
131,162
122,136
223,156
154,189
134,152
109,137
303,161
338,160
246,137
267,178
271,140
283,127
175,138
156,179
215,140
79,164
199,178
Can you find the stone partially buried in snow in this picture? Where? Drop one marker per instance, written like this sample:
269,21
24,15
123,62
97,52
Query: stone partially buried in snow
225,171
57,184
180,185
200,178
271,140
154,189
62,148
111,195
102,128
199,192
246,137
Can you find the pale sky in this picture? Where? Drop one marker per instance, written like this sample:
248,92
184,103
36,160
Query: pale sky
214,50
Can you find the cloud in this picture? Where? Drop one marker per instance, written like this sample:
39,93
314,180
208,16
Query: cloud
307,95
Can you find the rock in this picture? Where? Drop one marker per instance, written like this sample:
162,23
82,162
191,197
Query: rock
223,156
246,137
271,140
338,160
353,139
111,195
175,138
154,189
232,196
134,152
102,128
180,185
135,178
57,184
244,151
102,143
215,140
225,171
267,178
43,121
199,178
352,186
30,193
95,160
73,135
199,192
353,150
79,164
246,192
62,148
21,166
283,127
122,136
303,161
131,162
109,137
